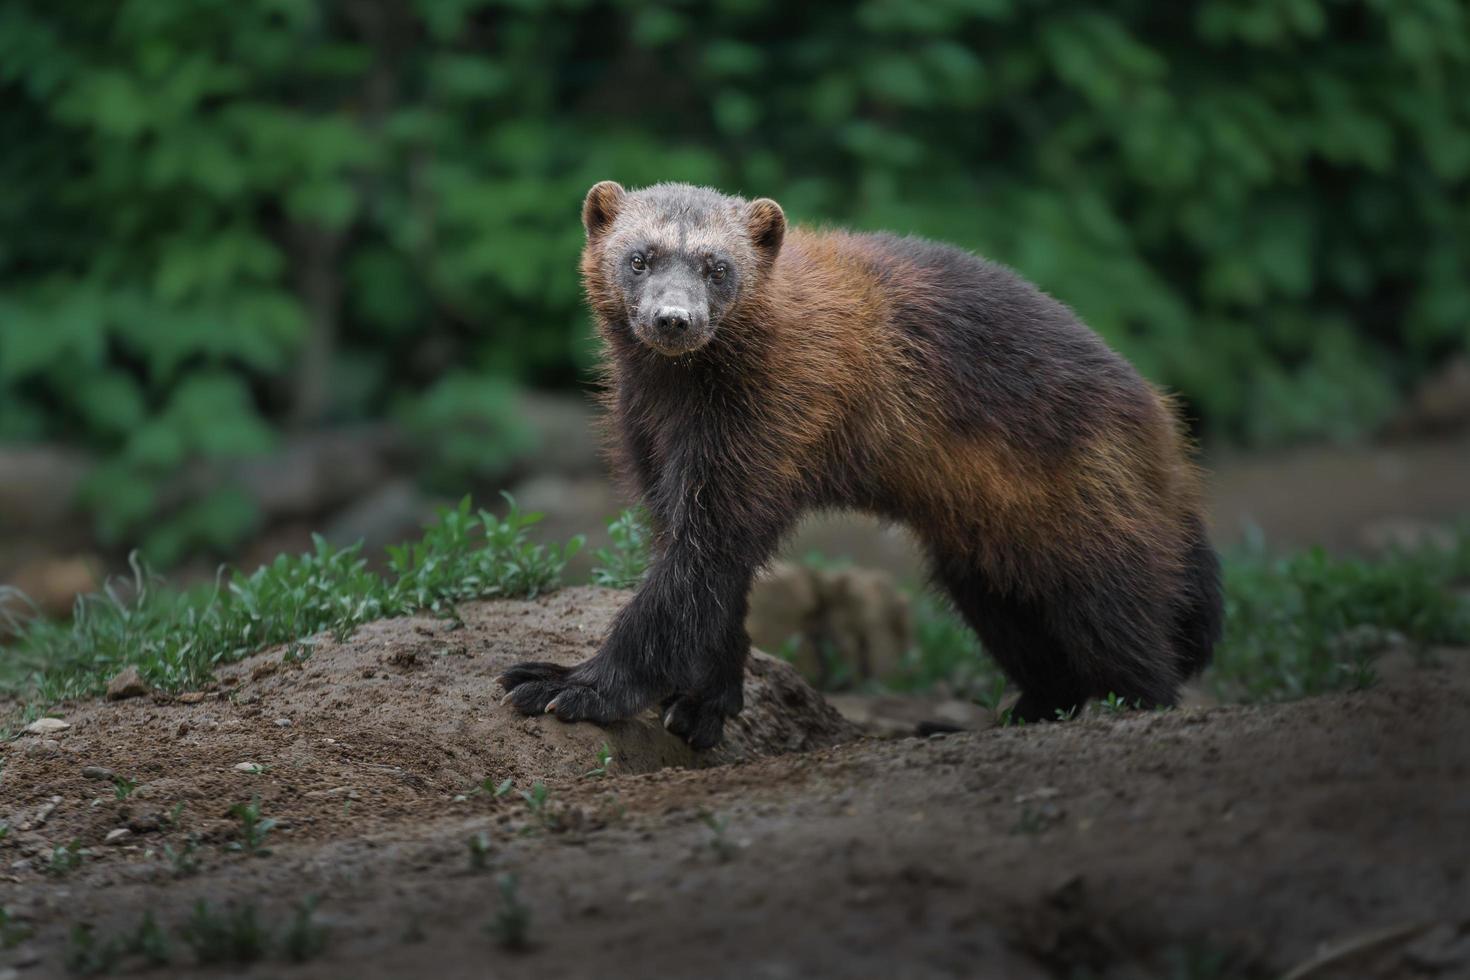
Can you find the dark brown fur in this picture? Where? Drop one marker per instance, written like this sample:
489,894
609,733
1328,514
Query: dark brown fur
1051,485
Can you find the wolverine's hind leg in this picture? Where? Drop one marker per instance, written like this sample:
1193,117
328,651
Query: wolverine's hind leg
1013,634
1066,643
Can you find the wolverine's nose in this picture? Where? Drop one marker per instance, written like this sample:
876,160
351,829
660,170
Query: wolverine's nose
671,320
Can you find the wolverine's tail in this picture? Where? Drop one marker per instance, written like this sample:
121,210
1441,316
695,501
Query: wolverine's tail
1201,616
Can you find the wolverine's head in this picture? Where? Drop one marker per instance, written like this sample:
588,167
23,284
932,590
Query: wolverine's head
672,260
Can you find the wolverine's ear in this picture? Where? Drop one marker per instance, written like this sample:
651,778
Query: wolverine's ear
766,223
602,205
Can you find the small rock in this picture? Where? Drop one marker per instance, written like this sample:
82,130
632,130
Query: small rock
142,823
852,619
47,726
283,722
127,684
98,772
249,767
44,749
118,836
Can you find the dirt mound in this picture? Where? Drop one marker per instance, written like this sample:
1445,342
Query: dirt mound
399,719
1202,842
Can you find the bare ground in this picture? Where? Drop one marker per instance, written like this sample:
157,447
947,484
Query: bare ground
1204,842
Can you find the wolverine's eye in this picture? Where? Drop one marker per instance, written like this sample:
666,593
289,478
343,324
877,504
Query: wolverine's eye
638,263
718,272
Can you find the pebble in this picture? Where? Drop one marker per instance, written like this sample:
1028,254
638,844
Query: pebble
44,749
47,726
1040,793
44,813
283,722
98,772
118,836
128,683
250,767
140,823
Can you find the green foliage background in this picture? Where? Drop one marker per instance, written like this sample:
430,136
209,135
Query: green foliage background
223,219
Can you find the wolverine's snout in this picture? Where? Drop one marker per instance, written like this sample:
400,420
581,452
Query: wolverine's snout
674,329
671,320
680,323
676,317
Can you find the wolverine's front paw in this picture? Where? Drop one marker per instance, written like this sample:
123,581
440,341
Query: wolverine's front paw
541,688
700,721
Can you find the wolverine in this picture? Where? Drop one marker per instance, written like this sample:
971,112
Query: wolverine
756,372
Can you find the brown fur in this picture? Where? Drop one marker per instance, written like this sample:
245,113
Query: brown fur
820,346
1053,487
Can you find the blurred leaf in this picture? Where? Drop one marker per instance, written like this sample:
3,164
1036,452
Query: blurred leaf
1262,202
469,428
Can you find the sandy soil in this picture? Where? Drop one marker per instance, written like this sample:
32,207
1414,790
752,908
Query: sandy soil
1199,843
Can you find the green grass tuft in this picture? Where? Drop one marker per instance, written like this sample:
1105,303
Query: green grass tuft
512,922
1310,623
66,858
305,938
149,941
604,760
1295,626
12,932
233,936
86,955
177,639
478,845
622,566
254,828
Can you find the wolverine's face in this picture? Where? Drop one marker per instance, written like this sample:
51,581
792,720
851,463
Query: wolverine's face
677,257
